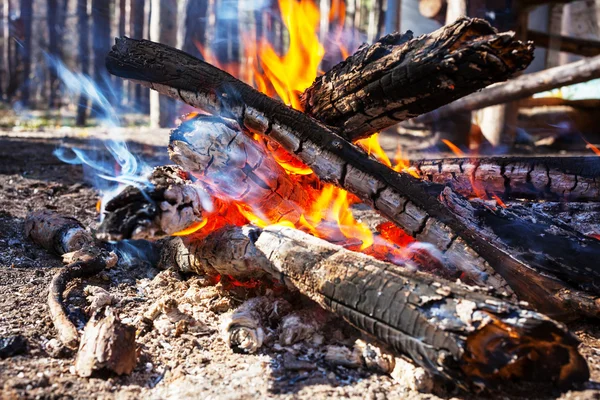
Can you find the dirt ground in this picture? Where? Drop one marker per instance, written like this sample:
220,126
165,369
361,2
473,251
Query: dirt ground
195,364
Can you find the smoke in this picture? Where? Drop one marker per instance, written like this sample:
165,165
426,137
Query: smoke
115,168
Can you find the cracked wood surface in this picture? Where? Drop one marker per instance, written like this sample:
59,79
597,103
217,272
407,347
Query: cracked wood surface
444,327
400,77
413,205
547,178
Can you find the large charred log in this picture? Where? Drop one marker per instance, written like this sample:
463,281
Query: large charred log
547,178
454,331
399,77
412,204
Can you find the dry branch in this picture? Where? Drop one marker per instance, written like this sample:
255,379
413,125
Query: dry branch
444,327
413,205
548,178
399,77
582,47
521,87
66,236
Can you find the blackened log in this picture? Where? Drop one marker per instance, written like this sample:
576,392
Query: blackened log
413,205
170,202
399,77
549,178
452,330
520,88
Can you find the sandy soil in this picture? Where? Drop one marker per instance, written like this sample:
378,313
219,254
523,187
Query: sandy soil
197,363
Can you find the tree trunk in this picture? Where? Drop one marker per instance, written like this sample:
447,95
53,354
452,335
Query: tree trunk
194,29
101,42
139,95
53,39
163,29
25,50
84,54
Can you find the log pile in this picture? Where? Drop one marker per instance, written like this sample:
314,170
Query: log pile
475,337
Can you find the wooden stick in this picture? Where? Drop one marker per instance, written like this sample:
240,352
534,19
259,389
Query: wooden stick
582,47
444,327
399,77
521,87
548,178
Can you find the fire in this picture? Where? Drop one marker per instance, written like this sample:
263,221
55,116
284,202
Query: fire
454,148
327,214
590,146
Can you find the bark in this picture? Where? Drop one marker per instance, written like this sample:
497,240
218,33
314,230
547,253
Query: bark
421,209
444,327
548,178
399,77
106,344
84,54
521,87
168,204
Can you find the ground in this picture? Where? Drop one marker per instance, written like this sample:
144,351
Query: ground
195,364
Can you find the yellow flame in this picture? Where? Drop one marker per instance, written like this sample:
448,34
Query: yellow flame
192,228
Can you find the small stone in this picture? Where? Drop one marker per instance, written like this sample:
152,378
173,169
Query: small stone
12,346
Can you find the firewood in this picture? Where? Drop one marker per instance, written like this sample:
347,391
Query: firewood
399,77
169,203
548,178
413,205
447,328
55,232
236,168
520,88
247,327
106,343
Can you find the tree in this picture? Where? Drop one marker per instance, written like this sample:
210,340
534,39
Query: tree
25,48
163,29
101,43
84,54
53,33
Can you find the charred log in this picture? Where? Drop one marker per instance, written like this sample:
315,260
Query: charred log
168,203
556,178
444,327
413,205
399,77
55,232
520,88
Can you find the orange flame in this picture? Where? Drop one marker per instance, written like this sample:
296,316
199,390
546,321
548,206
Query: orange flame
454,148
328,214
590,146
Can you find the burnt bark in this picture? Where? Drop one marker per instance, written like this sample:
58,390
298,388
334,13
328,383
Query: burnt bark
444,327
399,77
520,88
169,203
537,178
419,208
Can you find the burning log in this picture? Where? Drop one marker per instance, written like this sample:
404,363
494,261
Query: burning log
452,330
66,236
520,88
399,77
169,203
235,167
421,209
548,178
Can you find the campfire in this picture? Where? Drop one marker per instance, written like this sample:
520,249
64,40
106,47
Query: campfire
280,188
